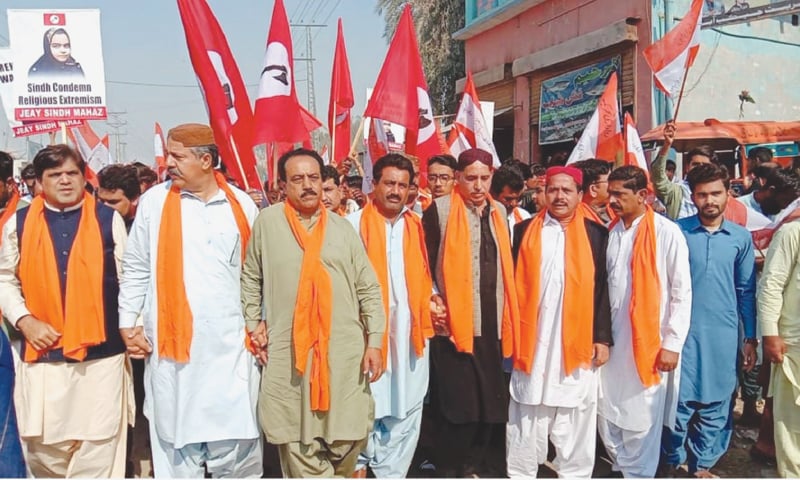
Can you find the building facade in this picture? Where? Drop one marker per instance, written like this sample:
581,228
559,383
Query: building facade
545,63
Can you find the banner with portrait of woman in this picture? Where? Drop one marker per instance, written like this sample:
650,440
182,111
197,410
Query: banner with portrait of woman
58,58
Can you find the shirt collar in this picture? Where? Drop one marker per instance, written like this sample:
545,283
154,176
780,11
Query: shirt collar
68,209
695,225
218,197
550,221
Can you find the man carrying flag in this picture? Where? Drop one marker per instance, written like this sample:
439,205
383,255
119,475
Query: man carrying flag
563,335
181,271
650,290
393,237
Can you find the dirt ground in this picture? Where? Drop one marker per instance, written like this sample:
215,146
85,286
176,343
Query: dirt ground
735,464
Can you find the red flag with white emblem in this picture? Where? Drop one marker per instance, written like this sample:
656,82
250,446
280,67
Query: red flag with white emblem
278,114
401,95
229,111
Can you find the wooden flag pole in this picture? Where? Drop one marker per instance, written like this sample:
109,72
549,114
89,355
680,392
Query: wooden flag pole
332,155
64,132
680,95
239,163
52,136
274,165
353,146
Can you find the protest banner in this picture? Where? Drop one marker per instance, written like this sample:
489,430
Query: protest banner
59,58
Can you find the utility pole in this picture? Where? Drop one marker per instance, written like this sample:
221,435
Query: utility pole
309,59
116,122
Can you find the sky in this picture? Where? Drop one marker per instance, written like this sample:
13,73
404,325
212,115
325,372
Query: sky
144,48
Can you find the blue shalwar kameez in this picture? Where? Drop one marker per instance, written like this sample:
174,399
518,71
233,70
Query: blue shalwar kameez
723,285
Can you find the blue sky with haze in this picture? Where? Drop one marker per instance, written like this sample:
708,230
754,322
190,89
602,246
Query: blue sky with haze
143,43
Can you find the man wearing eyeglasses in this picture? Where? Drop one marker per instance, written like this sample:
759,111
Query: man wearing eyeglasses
595,188
441,175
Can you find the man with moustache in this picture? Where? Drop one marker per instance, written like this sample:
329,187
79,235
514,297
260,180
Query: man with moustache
59,262
313,303
595,188
470,257
723,298
650,291
441,175
563,335
331,190
181,272
393,237
119,188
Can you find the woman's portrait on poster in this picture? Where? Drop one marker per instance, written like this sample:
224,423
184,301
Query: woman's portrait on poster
56,60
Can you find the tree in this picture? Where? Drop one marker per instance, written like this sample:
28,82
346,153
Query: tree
442,57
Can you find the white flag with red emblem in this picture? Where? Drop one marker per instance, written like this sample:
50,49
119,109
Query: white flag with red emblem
634,152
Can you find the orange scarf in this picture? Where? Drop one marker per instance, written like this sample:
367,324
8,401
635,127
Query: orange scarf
578,307
517,216
313,309
457,274
80,318
174,313
11,209
588,211
645,310
425,200
418,274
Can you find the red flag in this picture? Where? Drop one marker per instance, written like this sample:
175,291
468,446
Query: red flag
401,95
278,114
602,137
341,101
671,57
377,141
634,152
229,111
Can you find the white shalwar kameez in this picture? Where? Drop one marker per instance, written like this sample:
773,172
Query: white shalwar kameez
202,412
631,416
517,215
400,391
549,403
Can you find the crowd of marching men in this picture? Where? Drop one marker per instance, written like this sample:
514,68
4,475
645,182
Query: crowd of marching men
563,306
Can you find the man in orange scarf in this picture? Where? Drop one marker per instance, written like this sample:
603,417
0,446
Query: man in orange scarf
470,257
58,287
332,191
506,188
595,187
182,272
393,237
650,288
314,304
564,333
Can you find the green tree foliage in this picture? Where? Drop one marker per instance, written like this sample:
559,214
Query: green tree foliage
442,57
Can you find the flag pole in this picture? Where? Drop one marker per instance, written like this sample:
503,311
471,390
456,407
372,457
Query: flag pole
680,95
64,132
275,165
333,144
359,132
239,162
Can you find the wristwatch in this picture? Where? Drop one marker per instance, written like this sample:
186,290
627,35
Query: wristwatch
752,341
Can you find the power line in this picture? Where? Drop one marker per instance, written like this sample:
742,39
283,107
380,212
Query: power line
162,85
319,7
328,17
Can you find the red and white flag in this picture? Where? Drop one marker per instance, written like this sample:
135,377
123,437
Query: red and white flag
401,95
634,152
278,114
602,137
229,111
341,100
672,55
470,129
377,140
159,148
93,149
